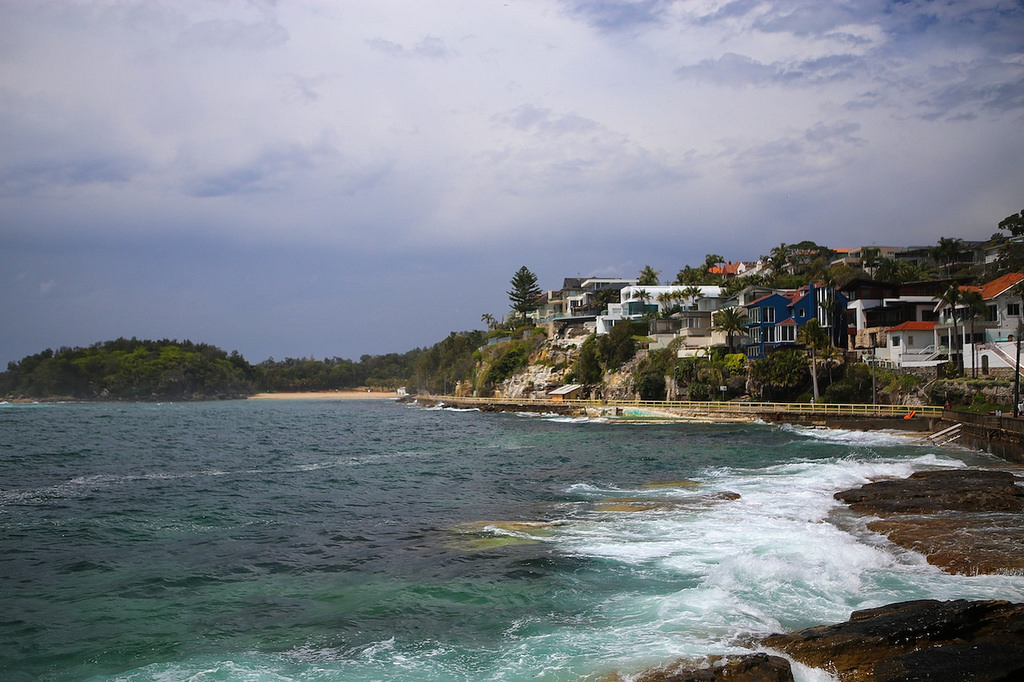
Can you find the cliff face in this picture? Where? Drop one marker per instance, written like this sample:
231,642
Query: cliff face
550,366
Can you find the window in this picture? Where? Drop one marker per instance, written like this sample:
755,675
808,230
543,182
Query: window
1013,309
990,313
787,333
801,312
910,340
754,316
895,340
768,314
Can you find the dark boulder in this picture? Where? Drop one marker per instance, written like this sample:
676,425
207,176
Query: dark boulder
965,640
966,521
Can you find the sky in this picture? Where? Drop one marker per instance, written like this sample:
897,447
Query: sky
325,178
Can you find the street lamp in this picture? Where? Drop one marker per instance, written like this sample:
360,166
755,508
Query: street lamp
1016,372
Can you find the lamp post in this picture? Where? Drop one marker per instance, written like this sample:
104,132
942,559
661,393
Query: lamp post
1016,373
873,391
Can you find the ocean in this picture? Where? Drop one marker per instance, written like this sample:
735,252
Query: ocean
372,540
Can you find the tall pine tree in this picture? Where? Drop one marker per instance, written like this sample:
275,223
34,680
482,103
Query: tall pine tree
524,293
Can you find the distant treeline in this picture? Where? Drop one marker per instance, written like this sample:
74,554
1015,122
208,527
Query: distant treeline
133,369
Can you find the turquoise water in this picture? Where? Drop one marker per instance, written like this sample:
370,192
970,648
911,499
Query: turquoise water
350,540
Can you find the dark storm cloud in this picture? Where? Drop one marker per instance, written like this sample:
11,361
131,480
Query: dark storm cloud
339,178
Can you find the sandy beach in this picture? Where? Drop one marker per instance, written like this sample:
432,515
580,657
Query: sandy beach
327,395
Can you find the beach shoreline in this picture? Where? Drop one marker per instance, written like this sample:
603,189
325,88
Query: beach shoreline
326,395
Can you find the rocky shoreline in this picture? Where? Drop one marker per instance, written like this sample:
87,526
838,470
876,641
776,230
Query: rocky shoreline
966,521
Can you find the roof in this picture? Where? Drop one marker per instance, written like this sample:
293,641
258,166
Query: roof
1001,285
565,390
913,327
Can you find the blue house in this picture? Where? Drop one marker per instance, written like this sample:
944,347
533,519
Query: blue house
775,320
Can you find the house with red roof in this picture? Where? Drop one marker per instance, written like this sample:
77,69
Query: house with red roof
987,339
775,320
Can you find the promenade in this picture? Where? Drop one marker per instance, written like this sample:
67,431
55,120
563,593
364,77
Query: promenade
924,418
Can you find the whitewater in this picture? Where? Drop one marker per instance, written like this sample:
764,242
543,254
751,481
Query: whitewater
371,540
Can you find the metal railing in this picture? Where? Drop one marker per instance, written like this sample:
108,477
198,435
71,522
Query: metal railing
1004,422
723,407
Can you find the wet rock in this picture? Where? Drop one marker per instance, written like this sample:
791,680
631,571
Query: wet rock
966,521
918,640
750,668
924,492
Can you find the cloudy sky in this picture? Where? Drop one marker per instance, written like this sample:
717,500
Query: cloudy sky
338,177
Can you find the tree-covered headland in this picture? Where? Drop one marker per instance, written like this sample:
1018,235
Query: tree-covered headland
134,369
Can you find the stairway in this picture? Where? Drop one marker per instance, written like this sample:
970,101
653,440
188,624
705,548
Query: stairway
1001,353
943,437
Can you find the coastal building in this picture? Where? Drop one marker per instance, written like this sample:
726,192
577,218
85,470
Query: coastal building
637,302
578,302
567,392
910,345
987,340
873,307
774,321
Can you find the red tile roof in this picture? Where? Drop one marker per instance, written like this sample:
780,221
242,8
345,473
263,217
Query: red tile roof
913,327
1001,285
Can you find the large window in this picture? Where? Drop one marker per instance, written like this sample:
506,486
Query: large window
990,313
767,314
786,333
1013,309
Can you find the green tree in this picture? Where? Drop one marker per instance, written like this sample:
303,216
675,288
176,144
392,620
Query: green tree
974,305
618,346
689,275
898,271
947,252
666,299
524,292
648,277
1014,224
731,321
712,260
778,258
780,374
602,297
952,299
692,293
814,337
1011,251
869,258
588,369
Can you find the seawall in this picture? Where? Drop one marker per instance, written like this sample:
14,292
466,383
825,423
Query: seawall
1000,436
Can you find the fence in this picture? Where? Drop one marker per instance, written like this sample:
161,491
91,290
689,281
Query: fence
987,421
722,407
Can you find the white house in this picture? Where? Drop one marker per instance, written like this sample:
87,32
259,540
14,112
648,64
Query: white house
989,340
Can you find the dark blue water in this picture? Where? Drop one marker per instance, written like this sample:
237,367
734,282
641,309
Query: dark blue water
341,540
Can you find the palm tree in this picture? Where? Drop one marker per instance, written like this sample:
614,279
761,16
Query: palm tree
814,337
710,261
731,321
779,257
947,252
869,258
974,305
489,320
665,299
952,298
692,292
649,276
